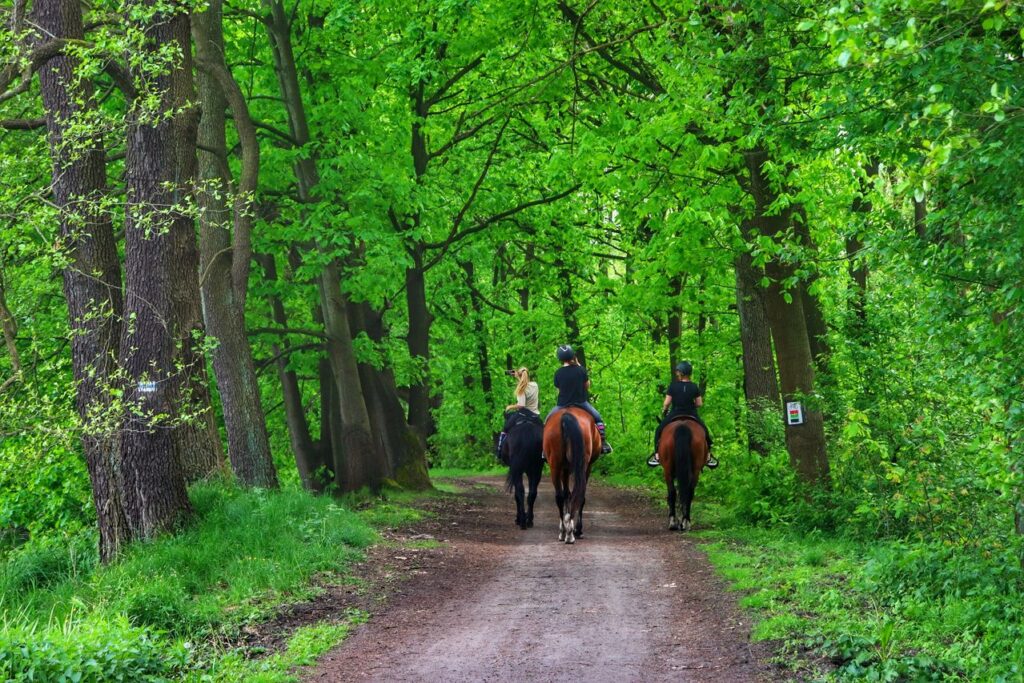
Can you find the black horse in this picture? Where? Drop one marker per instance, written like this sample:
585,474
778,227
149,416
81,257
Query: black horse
522,453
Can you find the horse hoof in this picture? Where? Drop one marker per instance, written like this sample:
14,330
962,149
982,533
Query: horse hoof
529,524
685,526
673,527
570,539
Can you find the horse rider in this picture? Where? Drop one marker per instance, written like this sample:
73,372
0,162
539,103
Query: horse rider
573,385
526,407
683,397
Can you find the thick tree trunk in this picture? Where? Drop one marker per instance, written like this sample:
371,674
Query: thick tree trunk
364,462
224,280
407,460
92,278
159,169
805,442
760,386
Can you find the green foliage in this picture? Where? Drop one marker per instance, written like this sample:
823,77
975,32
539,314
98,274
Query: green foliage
95,651
248,553
880,611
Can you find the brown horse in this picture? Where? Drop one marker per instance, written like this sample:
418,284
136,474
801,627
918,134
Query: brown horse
572,443
683,450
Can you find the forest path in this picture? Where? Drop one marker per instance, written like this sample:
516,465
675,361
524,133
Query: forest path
630,601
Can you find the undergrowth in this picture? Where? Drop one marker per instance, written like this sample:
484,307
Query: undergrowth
161,611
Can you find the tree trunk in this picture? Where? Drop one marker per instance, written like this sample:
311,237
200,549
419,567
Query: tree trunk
159,169
805,442
858,270
92,278
675,323
480,332
407,460
351,432
418,340
364,463
309,456
225,280
817,331
760,386
568,303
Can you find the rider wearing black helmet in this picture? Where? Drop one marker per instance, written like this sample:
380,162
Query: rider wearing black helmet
683,397
572,383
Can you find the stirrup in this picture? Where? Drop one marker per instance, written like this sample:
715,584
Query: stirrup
654,460
711,463
606,448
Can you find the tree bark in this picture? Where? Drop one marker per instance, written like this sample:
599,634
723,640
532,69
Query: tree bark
92,278
788,322
418,340
407,460
225,256
814,318
364,463
760,386
159,169
310,457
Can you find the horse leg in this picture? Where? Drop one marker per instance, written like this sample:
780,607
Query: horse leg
673,523
687,501
568,523
579,519
560,500
531,498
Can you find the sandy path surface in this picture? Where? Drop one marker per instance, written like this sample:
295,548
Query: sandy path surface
630,601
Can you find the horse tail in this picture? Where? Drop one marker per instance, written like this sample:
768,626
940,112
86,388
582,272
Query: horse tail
572,435
683,460
510,482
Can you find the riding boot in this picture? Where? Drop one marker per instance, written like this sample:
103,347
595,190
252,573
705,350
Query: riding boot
654,460
501,440
605,446
711,463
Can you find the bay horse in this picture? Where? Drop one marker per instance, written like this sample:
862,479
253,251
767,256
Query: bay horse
522,451
683,450
572,444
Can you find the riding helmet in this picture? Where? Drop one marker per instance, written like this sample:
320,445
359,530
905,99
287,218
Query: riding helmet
565,353
685,369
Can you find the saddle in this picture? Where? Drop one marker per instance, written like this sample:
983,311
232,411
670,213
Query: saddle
524,416
688,418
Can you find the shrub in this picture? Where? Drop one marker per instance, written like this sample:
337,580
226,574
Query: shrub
89,651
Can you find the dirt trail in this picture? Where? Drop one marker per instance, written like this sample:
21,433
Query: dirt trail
629,602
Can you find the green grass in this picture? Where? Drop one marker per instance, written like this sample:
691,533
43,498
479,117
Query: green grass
882,611
305,647
160,609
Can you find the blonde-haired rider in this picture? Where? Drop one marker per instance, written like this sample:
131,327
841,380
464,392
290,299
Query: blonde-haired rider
527,405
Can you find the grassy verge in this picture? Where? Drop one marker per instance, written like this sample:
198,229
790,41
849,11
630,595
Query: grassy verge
163,610
844,609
